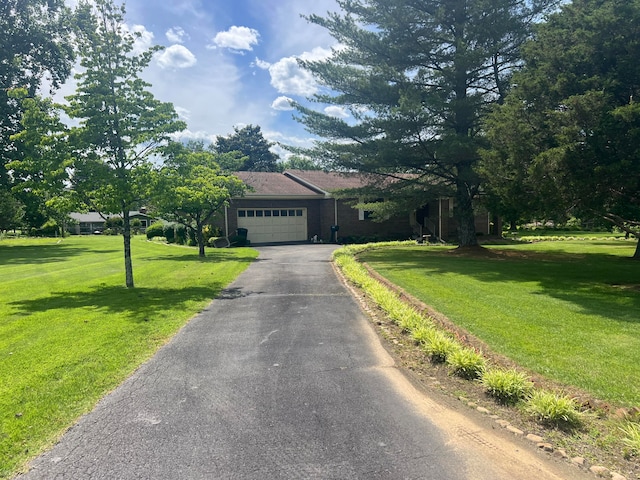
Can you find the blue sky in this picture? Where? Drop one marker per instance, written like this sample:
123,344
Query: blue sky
231,63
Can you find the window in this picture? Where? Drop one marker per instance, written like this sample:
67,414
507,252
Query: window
259,213
283,213
251,213
298,213
242,213
267,213
276,213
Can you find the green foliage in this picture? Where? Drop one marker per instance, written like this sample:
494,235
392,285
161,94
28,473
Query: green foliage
440,346
180,234
121,124
568,135
191,189
35,43
466,363
155,230
632,437
550,408
416,80
507,386
50,228
169,232
136,226
114,224
11,211
254,148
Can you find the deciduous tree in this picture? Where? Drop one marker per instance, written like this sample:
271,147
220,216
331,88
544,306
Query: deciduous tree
121,123
191,189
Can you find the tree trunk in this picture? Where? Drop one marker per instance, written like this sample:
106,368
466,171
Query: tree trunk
126,234
465,217
636,256
200,239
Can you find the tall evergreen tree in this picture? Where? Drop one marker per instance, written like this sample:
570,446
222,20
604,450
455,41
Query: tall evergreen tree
417,77
121,123
576,106
252,145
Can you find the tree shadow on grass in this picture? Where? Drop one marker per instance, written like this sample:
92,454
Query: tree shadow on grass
139,304
40,254
600,284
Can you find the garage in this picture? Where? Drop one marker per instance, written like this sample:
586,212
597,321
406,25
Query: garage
271,225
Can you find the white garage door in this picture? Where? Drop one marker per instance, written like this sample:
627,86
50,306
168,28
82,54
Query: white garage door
266,225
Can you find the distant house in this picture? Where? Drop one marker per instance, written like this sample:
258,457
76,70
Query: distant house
298,205
94,222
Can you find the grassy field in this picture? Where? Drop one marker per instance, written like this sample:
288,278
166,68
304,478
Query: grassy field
70,331
568,310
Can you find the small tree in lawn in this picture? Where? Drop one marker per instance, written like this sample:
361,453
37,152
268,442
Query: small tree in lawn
192,189
121,123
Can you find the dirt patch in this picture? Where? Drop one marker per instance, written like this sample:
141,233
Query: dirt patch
598,442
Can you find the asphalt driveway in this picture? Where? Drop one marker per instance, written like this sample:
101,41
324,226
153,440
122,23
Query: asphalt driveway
279,378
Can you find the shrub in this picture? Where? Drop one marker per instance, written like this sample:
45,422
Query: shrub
155,230
180,234
466,363
632,437
136,226
48,229
553,409
114,225
507,386
168,232
439,346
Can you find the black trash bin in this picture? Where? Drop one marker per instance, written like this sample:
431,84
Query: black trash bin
334,235
241,233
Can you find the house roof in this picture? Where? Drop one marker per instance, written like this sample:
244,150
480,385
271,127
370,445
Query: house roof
95,217
274,184
329,181
304,183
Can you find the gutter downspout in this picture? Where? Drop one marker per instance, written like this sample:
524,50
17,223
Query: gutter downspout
226,220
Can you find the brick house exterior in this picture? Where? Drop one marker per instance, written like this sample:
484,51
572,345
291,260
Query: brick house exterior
298,205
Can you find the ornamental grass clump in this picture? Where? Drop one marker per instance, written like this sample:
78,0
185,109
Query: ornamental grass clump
467,363
507,386
439,346
632,437
421,334
552,409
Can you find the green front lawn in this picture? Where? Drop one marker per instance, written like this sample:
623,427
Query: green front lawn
70,331
567,310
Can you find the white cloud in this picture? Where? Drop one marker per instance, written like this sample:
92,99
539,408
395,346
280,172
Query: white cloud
261,64
176,35
282,103
288,77
236,39
335,111
176,56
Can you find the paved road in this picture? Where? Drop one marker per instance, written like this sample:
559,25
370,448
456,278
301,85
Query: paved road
280,378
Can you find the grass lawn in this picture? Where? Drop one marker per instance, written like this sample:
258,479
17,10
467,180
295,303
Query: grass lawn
70,331
567,310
